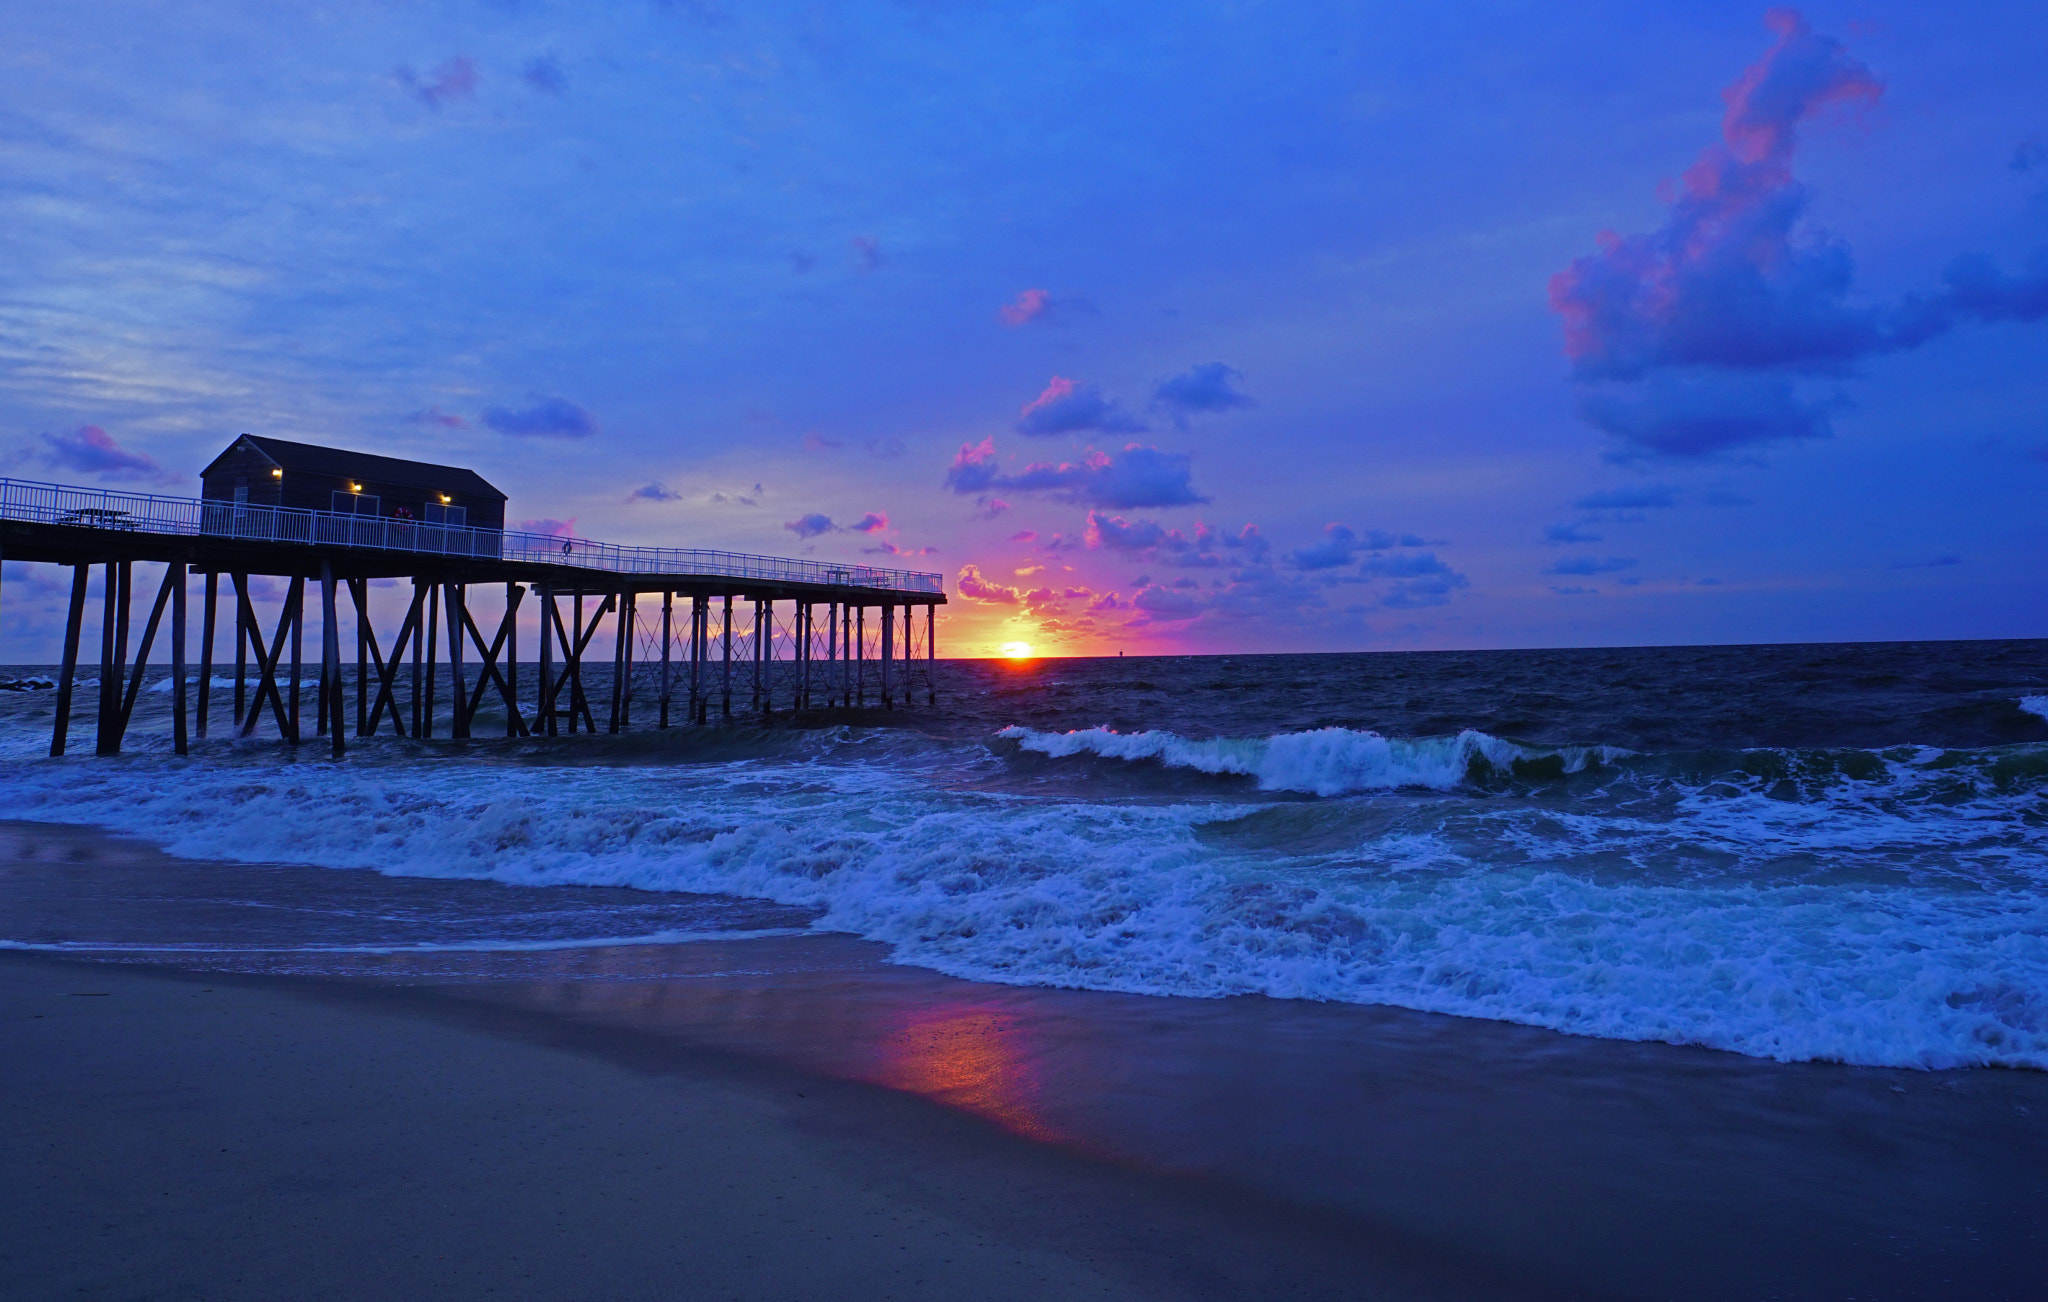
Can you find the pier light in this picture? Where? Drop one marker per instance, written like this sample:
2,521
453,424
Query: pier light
355,488
445,499
277,473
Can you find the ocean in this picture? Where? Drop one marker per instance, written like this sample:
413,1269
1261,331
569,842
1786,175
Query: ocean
1831,853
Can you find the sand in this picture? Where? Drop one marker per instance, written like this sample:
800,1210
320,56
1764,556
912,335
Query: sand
173,1136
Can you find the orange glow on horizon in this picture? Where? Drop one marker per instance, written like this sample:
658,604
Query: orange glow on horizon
1016,651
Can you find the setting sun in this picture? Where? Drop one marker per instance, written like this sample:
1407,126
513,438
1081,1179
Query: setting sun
1016,650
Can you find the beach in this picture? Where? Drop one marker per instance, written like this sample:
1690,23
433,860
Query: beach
210,1138
794,1116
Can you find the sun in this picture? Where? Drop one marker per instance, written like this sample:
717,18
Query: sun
1016,650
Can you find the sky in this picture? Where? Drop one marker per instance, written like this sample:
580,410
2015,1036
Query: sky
1154,328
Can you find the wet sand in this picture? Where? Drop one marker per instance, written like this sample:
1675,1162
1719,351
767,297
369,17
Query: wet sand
795,1117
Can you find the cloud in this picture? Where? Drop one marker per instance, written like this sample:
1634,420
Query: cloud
1648,497
1588,565
453,80
544,74
1939,562
1724,282
1568,533
1411,566
1115,533
988,508
1210,387
816,442
1574,590
738,497
546,417
1027,307
1417,594
801,262
1687,341
435,416
1341,542
653,491
886,548
1679,416
1024,536
90,450
867,252
874,522
1069,408
1251,541
1135,478
546,525
1974,286
975,588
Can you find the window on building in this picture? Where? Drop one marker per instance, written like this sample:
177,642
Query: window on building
241,492
442,513
357,503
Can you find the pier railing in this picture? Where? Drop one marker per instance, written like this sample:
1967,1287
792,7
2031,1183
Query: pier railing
115,510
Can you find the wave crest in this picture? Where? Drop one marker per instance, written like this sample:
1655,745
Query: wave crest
1325,761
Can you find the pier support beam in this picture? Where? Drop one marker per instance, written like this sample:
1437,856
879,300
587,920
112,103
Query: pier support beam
180,742
888,654
81,575
330,660
458,683
206,625
668,612
725,633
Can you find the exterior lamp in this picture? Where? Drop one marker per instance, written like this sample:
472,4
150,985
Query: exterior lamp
355,488
445,498
277,474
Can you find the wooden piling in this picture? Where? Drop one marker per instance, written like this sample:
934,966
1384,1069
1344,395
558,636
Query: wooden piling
206,623
330,659
81,576
180,742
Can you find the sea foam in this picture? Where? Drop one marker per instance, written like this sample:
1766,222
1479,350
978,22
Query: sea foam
1712,913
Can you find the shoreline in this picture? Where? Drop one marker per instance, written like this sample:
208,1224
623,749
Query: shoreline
1148,1146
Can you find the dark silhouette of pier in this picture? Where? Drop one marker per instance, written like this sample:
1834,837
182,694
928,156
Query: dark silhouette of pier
850,637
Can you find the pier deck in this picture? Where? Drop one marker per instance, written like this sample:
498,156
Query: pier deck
798,661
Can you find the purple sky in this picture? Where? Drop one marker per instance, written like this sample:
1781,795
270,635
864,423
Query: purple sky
1187,327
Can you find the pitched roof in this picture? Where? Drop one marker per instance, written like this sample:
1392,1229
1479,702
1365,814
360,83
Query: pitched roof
308,458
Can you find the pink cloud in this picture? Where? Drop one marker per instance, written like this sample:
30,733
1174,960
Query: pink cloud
1029,306
91,450
1056,389
1724,282
976,588
550,527
872,522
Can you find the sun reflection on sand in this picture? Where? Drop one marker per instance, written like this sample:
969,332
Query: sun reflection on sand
974,1057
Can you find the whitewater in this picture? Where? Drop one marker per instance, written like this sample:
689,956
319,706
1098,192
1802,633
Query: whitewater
1868,904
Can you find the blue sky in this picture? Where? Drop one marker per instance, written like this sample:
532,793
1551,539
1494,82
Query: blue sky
1060,299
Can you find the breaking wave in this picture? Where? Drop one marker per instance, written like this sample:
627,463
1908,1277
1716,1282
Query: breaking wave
1326,761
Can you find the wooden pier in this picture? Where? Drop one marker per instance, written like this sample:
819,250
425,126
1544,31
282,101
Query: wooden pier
732,633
